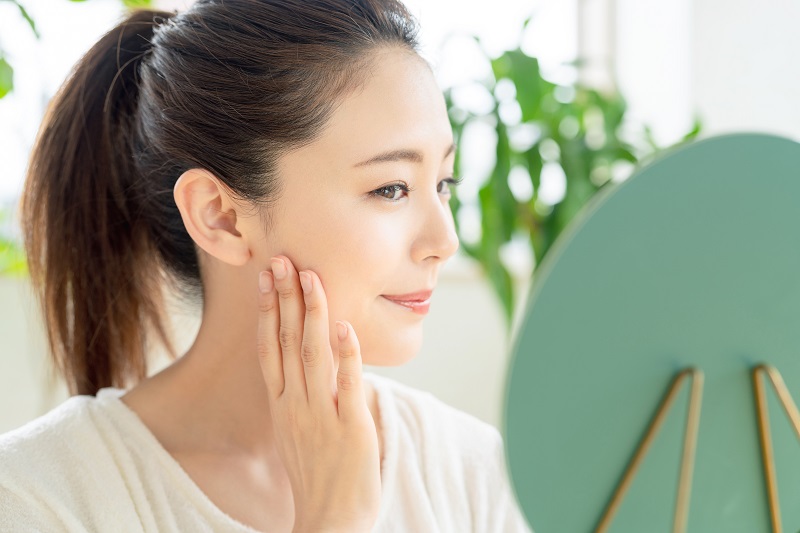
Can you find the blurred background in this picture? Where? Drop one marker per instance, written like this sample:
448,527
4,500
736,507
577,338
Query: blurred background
550,102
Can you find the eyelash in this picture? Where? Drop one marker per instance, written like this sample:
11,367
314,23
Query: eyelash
402,186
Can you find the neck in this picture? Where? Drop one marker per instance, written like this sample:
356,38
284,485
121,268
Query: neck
213,399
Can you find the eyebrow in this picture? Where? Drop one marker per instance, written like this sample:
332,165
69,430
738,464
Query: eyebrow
411,156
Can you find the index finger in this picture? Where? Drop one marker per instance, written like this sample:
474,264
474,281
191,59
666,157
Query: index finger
269,351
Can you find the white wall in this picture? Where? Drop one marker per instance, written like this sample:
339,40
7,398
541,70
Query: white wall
652,63
732,62
746,65
27,386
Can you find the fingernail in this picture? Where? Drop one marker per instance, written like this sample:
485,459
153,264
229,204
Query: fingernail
278,268
305,281
341,330
264,282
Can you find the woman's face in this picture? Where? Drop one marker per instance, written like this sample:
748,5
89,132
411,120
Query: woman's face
346,221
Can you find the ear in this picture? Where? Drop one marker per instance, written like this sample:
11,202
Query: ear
210,216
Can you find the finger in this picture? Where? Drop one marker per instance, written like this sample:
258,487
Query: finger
350,390
269,350
290,330
316,352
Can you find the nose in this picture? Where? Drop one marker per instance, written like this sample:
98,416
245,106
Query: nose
437,236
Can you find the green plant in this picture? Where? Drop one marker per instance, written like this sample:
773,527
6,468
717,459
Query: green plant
12,257
575,127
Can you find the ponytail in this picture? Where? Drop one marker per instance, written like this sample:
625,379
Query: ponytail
224,86
89,248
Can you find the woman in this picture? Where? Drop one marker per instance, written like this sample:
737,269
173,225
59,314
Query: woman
285,165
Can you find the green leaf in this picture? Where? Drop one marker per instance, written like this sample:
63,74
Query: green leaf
501,192
455,205
523,70
504,288
6,77
697,126
624,153
533,160
579,188
27,17
650,139
527,22
134,4
12,259
499,278
490,212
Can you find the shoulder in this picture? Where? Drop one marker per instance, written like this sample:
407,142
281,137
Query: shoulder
52,431
40,461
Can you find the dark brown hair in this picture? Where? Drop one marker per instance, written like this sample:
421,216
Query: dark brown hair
225,86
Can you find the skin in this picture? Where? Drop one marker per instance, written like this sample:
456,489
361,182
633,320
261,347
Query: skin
211,409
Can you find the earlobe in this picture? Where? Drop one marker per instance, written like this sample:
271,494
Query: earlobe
210,217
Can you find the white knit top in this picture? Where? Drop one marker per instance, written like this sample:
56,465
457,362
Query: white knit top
92,465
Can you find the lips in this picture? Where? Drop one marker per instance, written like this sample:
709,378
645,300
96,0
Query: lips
414,297
416,302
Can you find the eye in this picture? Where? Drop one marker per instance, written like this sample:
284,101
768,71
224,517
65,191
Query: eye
388,192
454,181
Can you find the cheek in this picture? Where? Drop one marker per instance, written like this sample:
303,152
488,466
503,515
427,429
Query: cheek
353,286
355,249
357,254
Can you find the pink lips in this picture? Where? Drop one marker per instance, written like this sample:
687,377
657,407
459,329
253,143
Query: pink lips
417,302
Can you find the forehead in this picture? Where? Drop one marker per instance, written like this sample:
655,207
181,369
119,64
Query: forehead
399,106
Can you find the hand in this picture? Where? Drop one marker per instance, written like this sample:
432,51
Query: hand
326,438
